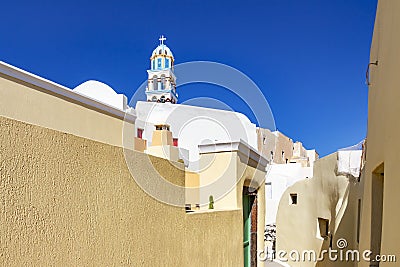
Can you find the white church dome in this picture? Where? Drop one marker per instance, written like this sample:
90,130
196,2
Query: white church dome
162,49
103,93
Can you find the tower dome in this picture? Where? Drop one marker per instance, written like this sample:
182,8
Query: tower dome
162,57
162,50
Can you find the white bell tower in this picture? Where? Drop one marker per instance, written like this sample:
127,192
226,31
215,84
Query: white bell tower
161,86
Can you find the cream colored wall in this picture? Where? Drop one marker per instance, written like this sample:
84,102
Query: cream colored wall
327,196
165,152
139,144
383,143
31,104
217,170
223,176
236,170
192,192
161,146
161,137
71,201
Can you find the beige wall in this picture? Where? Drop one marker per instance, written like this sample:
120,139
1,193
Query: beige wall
161,137
139,144
192,192
283,144
165,152
277,143
266,143
300,155
217,171
326,196
162,146
71,201
383,143
298,150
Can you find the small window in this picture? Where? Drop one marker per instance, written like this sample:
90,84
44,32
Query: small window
287,161
159,52
159,63
323,227
167,63
293,199
140,133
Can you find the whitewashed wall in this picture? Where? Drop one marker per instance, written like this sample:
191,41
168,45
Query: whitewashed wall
195,125
281,176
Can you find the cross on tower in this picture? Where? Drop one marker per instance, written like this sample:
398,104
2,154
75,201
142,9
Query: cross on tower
162,39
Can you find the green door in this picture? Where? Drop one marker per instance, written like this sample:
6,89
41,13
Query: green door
247,204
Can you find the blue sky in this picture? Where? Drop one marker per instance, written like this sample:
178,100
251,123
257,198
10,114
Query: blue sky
308,57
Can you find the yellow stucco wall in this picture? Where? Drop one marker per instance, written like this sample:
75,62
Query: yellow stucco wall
70,201
35,105
383,141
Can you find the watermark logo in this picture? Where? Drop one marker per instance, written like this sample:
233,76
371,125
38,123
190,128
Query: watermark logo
341,254
341,243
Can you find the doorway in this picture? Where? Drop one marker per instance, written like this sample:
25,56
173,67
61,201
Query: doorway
249,202
377,212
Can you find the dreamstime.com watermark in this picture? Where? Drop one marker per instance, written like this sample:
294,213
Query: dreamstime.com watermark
335,255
